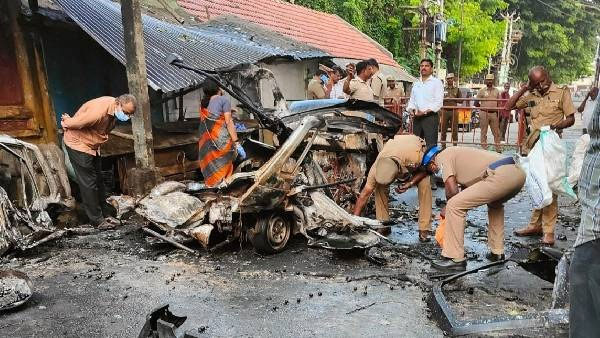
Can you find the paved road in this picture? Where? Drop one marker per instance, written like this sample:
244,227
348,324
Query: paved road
103,285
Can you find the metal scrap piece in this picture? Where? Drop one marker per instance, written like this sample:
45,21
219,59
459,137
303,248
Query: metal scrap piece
15,289
151,326
165,188
202,234
173,209
122,204
352,241
444,316
41,167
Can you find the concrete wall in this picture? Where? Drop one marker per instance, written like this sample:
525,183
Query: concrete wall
292,78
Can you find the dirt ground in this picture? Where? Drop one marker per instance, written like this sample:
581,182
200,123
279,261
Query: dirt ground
104,284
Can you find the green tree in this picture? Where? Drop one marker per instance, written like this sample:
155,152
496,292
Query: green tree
385,21
558,34
477,24
382,20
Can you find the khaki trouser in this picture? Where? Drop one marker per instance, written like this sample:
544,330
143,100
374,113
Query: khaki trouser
497,187
545,218
382,210
491,119
449,118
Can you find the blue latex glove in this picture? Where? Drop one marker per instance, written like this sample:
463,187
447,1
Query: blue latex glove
241,152
239,126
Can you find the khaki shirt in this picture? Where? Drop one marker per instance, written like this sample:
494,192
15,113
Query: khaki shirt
552,107
360,90
315,90
90,126
379,86
407,149
485,93
452,93
467,164
395,94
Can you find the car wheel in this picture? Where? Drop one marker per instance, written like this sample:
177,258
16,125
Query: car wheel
271,233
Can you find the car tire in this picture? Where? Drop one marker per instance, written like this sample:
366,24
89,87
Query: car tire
271,233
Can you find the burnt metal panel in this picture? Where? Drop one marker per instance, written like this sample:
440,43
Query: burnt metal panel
442,312
217,46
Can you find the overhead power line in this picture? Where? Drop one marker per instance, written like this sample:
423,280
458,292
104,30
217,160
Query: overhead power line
570,14
552,7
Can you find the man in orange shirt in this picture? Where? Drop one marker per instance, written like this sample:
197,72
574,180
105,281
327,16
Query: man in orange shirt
83,135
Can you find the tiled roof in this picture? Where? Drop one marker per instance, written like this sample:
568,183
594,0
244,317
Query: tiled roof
325,31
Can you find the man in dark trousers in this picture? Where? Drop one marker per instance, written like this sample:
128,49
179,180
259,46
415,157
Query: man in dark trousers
84,132
426,100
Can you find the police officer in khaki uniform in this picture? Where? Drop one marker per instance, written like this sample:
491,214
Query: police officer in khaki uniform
394,93
485,178
357,85
378,82
316,88
547,104
489,112
450,116
399,157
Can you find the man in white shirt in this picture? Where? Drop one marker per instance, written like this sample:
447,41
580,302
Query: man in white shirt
338,77
426,100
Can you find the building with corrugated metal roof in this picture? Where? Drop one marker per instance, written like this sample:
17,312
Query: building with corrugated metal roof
62,53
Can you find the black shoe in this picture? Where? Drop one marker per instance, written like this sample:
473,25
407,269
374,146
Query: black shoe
492,257
447,264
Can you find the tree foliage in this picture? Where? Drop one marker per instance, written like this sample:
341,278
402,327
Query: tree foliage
382,20
559,34
477,24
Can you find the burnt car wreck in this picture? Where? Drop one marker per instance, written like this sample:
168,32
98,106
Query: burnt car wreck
304,186
34,188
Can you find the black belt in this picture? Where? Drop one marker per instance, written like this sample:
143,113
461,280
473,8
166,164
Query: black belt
431,113
499,163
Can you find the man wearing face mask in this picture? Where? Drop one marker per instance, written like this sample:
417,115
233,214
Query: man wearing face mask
548,105
84,132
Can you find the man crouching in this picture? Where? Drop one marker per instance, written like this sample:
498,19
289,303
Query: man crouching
399,158
486,178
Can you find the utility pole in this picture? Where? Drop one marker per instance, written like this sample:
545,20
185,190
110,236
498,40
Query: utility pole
424,15
460,44
506,47
439,24
144,176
